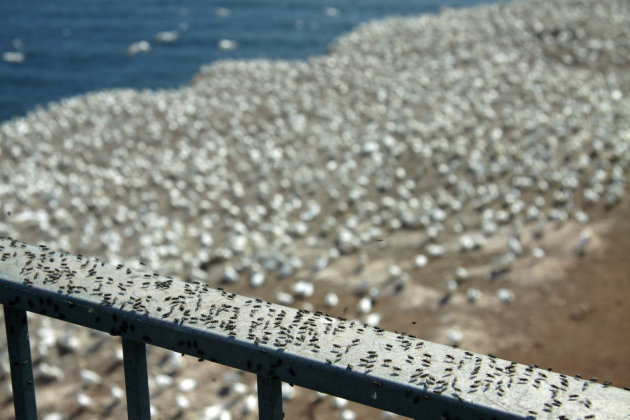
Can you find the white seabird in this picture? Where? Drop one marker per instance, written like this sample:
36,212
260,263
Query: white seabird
16,57
167,37
227,44
138,47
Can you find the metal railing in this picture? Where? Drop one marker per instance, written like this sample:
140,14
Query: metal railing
394,372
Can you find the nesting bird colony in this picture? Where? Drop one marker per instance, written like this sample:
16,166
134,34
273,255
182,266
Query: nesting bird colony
422,162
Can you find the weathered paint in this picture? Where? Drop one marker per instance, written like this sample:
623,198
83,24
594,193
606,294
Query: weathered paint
394,372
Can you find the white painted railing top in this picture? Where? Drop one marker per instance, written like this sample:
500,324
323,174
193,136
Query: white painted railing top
394,372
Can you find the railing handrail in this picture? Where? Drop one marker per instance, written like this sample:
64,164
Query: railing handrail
394,372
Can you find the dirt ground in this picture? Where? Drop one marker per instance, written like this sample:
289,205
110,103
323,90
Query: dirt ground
580,324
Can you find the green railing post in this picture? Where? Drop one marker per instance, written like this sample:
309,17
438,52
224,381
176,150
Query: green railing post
269,398
136,381
21,365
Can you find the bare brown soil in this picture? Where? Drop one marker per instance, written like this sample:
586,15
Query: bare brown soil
580,325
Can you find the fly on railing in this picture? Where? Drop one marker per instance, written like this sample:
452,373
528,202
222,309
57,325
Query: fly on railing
394,372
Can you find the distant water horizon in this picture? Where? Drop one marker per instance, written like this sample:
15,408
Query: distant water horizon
53,50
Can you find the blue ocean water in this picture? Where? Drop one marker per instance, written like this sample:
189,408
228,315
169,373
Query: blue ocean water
70,47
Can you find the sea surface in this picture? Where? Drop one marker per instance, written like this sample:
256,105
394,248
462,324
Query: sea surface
70,47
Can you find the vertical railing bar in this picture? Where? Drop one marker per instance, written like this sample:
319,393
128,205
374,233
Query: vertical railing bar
269,398
136,381
21,365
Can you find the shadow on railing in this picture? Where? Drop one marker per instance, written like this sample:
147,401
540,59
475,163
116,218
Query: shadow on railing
394,372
